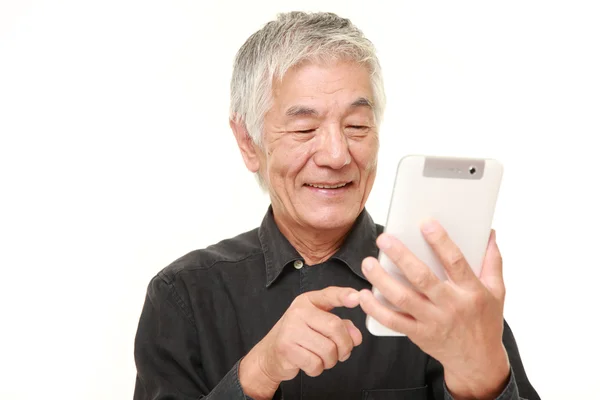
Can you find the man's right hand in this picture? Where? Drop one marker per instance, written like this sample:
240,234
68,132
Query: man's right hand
307,337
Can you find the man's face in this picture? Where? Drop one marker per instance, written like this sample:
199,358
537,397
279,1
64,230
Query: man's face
320,145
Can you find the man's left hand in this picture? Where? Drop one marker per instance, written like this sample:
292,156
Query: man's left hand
459,322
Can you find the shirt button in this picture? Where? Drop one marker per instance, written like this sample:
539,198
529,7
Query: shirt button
298,264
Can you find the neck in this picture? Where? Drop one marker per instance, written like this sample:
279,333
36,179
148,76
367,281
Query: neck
315,247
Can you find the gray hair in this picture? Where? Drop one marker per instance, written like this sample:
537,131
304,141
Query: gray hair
291,39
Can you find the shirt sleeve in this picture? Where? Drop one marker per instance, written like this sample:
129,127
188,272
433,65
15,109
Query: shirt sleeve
167,354
510,392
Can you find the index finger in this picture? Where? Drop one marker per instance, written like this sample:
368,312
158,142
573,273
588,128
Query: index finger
333,296
450,255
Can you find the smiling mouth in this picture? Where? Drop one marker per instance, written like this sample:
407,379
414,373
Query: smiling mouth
323,186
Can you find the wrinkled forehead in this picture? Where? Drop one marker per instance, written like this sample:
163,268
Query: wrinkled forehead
310,85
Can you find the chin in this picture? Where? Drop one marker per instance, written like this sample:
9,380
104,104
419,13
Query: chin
330,218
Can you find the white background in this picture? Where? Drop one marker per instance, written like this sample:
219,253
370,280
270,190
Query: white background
116,158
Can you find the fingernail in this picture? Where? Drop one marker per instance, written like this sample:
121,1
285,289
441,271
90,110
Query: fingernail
493,235
344,358
367,264
429,226
362,295
384,242
353,297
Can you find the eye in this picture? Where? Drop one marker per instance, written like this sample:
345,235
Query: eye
306,131
358,128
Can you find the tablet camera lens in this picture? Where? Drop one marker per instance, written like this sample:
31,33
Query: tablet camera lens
472,170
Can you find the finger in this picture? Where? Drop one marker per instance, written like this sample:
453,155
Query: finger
332,327
321,346
399,295
355,335
394,320
333,296
491,272
452,258
417,273
307,361
354,332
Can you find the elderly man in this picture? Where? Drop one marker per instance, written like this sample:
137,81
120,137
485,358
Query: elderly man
279,312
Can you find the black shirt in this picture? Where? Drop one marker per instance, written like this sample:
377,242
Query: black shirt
206,310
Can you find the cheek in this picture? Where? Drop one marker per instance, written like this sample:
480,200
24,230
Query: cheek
286,164
365,155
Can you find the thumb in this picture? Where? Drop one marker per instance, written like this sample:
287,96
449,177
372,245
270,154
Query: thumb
491,272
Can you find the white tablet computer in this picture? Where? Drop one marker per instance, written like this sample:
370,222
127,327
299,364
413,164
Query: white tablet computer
460,193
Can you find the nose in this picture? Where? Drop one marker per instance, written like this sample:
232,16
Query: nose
333,151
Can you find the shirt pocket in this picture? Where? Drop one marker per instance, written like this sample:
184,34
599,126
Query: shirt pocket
396,394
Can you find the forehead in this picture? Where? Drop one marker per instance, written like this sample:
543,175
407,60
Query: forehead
342,83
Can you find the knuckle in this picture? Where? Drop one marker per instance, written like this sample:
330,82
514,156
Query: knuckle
335,324
330,361
389,321
398,256
421,279
294,313
315,367
282,349
403,258
455,259
473,303
330,350
345,350
344,342
478,300
400,299
328,365
345,356
344,345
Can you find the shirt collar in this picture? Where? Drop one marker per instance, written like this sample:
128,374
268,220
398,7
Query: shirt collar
278,252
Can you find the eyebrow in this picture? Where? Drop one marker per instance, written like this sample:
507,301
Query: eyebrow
301,111
304,111
362,102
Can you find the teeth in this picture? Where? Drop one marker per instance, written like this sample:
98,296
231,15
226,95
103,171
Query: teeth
327,186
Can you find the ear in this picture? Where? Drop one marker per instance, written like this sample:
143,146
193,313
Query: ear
247,146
